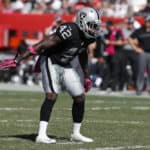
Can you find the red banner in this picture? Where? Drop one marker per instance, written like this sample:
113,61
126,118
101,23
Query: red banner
31,26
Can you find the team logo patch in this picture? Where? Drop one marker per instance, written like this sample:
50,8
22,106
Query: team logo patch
82,15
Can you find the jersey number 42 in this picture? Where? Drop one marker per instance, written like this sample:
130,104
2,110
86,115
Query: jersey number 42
65,31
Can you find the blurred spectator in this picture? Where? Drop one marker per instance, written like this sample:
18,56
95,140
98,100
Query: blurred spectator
22,47
28,4
38,7
114,41
140,41
57,5
107,8
114,8
99,73
24,73
99,70
129,54
120,9
67,6
48,8
17,5
97,4
146,10
6,7
137,5
52,28
80,4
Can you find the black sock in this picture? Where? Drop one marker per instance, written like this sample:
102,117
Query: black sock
46,110
78,111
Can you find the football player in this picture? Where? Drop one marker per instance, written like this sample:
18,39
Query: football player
56,52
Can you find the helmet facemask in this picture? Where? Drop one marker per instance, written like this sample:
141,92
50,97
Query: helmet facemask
93,28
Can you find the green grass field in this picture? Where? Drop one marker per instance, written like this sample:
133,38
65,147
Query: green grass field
115,123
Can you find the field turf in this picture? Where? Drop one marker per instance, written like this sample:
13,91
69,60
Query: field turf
115,123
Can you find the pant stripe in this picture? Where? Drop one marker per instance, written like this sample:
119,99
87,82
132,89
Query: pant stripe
49,76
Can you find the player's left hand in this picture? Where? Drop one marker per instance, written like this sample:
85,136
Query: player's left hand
87,84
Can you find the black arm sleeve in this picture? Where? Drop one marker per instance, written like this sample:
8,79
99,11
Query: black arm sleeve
46,44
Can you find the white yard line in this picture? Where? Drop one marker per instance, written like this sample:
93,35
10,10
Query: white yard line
25,108
96,101
87,121
26,121
22,99
124,102
3,121
106,108
124,147
140,108
125,94
8,139
16,108
119,147
118,122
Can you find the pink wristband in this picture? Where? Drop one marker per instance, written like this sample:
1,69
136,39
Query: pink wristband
32,50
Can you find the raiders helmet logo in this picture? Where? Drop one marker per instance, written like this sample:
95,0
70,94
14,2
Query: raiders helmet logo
82,15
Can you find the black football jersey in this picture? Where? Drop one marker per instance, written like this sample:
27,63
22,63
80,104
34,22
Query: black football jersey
73,43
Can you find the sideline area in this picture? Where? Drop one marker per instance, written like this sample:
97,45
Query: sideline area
94,91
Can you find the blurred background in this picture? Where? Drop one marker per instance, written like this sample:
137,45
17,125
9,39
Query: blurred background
25,22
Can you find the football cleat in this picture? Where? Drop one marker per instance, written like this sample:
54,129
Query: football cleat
45,140
80,138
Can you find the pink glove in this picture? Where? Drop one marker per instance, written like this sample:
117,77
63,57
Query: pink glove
8,63
87,84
